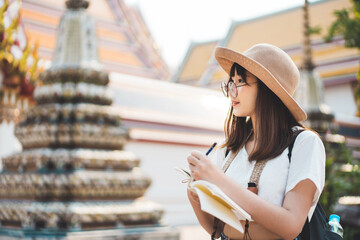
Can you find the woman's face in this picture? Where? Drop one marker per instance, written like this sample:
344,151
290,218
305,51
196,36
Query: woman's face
244,103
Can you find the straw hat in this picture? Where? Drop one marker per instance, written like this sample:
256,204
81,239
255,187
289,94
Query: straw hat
272,66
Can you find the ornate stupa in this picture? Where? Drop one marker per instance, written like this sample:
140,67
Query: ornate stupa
310,90
73,178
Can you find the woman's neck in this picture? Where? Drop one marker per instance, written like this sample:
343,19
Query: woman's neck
253,121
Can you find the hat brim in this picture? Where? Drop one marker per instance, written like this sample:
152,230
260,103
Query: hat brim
227,57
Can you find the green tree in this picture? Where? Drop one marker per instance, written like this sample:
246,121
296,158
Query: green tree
347,25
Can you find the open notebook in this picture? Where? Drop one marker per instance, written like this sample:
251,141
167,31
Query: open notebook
215,202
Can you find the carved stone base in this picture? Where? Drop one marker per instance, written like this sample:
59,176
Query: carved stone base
136,233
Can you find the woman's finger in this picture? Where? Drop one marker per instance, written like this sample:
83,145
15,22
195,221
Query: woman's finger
194,171
192,168
193,196
197,154
192,160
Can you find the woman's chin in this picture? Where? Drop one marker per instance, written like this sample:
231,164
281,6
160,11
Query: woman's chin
238,113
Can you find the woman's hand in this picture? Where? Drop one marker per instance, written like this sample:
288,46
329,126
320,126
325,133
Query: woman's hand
202,168
193,196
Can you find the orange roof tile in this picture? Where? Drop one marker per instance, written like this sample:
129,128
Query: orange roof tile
45,40
101,32
123,57
39,17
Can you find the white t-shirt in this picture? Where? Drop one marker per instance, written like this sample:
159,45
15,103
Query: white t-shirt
279,176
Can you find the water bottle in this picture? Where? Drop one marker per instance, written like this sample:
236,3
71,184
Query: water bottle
334,224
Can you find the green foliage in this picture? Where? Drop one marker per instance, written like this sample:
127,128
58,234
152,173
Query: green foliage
340,182
347,25
313,30
351,233
11,66
3,9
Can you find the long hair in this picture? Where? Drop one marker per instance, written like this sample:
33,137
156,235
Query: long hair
274,124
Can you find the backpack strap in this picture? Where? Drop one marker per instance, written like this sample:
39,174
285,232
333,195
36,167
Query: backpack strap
255,176
291,145
259,166
231,158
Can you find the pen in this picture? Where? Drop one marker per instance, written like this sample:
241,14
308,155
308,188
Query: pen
210,149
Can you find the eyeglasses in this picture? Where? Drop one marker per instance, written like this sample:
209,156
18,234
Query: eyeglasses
225,87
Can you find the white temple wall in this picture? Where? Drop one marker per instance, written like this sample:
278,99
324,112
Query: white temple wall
340,99
158,161
9,144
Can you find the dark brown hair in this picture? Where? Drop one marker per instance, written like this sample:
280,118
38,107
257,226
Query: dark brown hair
274,124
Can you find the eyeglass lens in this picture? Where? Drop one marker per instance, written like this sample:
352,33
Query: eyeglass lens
233,89
229,87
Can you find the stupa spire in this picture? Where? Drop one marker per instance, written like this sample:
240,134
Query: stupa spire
310,90
77,4
76,43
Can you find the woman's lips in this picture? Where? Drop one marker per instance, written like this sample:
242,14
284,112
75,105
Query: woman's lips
234,103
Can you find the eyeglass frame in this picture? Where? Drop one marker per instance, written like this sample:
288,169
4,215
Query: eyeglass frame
225,88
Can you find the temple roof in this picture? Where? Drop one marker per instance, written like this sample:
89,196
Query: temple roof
195,62
125,43
283,29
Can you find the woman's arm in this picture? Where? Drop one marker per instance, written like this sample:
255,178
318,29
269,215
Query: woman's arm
206,220
286,220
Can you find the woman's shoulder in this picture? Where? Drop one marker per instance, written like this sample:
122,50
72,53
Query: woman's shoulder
306,132
307,137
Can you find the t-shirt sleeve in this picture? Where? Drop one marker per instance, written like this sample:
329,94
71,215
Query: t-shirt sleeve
307,162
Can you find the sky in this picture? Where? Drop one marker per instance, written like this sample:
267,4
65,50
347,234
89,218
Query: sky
174,24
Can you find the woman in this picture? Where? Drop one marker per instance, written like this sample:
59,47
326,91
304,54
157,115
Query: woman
260,126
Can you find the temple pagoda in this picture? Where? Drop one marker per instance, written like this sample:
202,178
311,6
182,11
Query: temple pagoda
73,179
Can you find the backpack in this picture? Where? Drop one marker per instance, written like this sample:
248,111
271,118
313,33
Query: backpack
316,229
